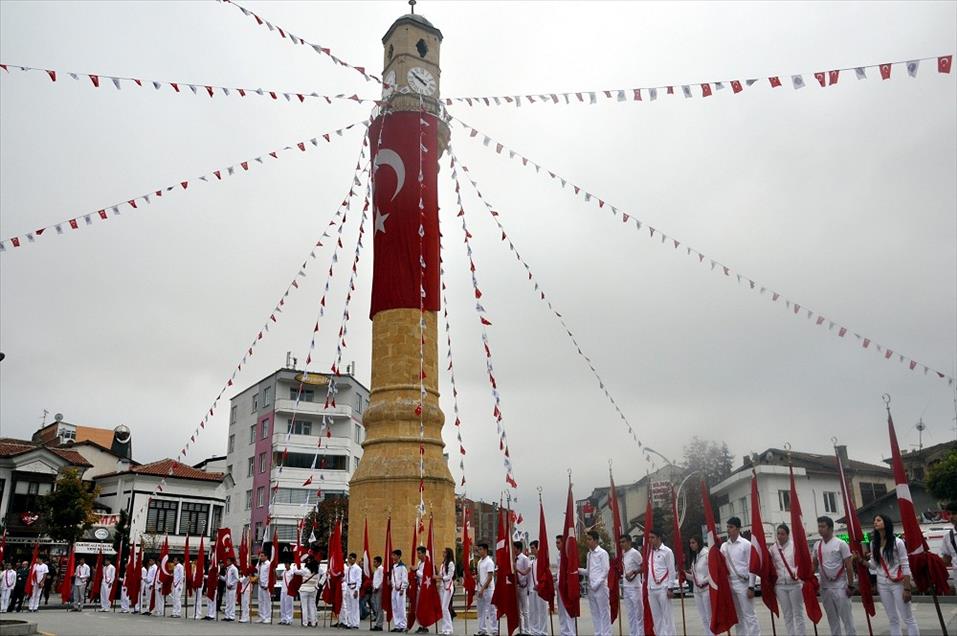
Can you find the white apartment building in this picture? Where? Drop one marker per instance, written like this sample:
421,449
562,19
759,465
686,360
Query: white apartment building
272,448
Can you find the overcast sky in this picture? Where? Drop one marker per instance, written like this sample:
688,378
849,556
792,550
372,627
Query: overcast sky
842,199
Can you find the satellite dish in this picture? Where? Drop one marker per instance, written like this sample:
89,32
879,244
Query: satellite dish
58,417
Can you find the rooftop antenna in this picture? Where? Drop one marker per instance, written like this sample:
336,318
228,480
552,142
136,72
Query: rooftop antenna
412,6
921,427
44,419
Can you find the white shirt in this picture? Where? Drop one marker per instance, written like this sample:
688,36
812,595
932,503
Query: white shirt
830,557
419,571
737,554
631,565
287,579
597,570
354,576
377,577
40,571
898,566
486,572
783,558
949,548
447,573
151,574
9,579
701,576
522,563
309,580
109,573
82,574
400,577
232,576
264,568
179,573
661,568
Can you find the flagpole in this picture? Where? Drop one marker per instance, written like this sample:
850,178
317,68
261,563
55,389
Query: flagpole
684,623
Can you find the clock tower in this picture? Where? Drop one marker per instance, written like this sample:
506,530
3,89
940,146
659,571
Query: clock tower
403,471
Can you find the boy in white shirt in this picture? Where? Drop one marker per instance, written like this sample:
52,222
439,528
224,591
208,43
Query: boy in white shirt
832,559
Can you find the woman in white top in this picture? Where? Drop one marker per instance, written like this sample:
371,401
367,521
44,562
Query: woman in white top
698,575
307,592
447,576
889,560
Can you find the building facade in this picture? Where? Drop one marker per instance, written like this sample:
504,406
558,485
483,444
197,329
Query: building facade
273,449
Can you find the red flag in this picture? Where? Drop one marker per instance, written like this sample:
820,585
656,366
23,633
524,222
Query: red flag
648,619
723,614
761,563
885,71
212,577
468,581
163,572
244,564
821,78
116,573
129,580
187,564
28,588
66,584
197,583
943,63
615,566
366,561
3,544
332,594
775,81
855,536
94,590
413,593
706,90
543,570
134,575
503,597
274,559
736,86
568,561
802,557
926,567
224,545
429,608
833,77
386,589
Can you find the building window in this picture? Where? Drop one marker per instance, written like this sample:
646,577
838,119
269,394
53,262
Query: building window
252,434
161,516
232,444
249,499
298,427
308,395
784,500
830,502
358,434
265,425
255,403
305,460
355,463
744,508
217,521
232,415
262,462
229,470
229,501
358,402
261,496
871,492
296,496
194,518
285,532
33,488
250,466
267,396
259,531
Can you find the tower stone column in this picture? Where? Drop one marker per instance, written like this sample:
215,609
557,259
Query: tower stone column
406,139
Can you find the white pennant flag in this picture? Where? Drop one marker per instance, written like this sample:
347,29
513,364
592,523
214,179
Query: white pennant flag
860,73
192,88
116,82
592,99
912,67
621,96
686,90
653,93
719,86
59,228
797,81
156,85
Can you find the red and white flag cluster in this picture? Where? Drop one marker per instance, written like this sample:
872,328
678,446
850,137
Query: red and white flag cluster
793,307
98,80
825,79
273,318
287,35
455,390
484,323
541,294
134,203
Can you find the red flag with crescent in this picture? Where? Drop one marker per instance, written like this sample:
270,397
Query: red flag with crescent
28,589
66,585
723,614
405,211
224,545
543,571
94,590
568,586
200,570
164,572
802,557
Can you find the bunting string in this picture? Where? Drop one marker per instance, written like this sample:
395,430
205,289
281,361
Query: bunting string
825,79
484,322
273,318
287,35
796,308
451,367
134,203
98,80
420,408
540,293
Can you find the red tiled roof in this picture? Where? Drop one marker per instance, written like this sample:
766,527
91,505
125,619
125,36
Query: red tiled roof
13,447
162,469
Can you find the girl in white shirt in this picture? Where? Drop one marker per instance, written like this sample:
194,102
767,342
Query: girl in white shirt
889,560
447,575
701,580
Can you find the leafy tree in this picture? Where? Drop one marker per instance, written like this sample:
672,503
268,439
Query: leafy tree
604,540
322,520
942,478
121,532
67,511
713,463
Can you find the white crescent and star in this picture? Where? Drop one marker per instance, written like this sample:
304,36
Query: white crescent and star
388,157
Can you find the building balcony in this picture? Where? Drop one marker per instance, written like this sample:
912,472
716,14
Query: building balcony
316,409
309,443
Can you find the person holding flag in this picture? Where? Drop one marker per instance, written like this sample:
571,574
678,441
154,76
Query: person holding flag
378,576
737,555
544,584
631,572
487,622
788,587
353,582
232,583
107,578
522,567
400,583
212,587
537,606
723,614
568,585
832,558
661,569
8,581
81,576
447,579
596,576
38,576
264,593
701,580
149,587
889,560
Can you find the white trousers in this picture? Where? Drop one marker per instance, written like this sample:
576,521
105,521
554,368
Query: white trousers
211,606
35,597
5,599
105,595
160,600
664,622
145,592
124,600
285,608
265,605
522,594
702,602
79,595
487,622
245,600
791,603
229,604
399,620
747,620
600,610
176,598
892,598
537,614
566,623
837,607
353,615
445,627
307,602
635,609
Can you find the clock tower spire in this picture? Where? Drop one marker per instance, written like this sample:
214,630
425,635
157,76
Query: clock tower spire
403,472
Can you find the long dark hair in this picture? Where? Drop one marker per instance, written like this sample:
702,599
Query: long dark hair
888,549
448,557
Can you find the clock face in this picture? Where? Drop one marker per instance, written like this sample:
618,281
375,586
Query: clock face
421,81
389,87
